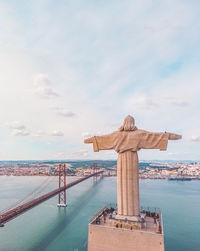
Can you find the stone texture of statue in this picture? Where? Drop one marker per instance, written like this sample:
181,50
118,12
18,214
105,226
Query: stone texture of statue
126,142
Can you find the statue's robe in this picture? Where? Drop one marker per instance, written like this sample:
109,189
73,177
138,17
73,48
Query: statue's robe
126,144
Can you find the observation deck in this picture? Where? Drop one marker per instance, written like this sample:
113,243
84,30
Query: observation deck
108,231
150,220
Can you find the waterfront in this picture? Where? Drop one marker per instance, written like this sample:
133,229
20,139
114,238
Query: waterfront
48,228
147,170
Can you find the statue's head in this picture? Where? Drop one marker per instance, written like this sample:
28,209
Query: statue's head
128,124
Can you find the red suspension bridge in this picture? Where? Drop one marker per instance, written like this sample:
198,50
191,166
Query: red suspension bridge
14,211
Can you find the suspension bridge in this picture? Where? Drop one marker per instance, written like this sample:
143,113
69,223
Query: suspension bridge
26,203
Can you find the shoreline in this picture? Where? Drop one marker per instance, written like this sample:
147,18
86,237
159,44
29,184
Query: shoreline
107,176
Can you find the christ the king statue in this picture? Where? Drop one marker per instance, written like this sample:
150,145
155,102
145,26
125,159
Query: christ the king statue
126,142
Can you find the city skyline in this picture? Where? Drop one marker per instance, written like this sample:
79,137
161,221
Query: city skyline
73,67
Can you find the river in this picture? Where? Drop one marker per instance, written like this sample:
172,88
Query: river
47,227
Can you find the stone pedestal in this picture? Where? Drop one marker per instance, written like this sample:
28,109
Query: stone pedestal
104,238
107,232
128,218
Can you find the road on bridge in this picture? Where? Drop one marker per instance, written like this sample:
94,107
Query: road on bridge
11,214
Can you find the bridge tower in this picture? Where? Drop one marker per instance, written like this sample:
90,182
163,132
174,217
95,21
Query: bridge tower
62,183
94,171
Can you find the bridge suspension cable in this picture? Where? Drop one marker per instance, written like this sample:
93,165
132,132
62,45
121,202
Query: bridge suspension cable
11,214
38,190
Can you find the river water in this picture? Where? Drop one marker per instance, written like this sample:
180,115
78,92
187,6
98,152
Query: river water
49,228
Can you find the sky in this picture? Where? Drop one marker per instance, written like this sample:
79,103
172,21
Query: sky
71,69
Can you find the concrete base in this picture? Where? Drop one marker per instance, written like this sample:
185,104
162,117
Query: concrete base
62,205
104,238
129,218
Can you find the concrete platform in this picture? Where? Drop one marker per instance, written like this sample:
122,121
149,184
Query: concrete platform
108,233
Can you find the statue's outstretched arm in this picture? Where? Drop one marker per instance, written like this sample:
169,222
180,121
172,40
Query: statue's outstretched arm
105,142
89,140
173,136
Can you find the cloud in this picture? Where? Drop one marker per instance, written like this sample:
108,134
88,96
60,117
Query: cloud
63,112
195,138
142,101
177,101
38,134
79,154
18,129
18,132
43,86
82,153
42,134
16,125
57,133
155,101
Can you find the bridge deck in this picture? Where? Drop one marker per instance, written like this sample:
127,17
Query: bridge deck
11,214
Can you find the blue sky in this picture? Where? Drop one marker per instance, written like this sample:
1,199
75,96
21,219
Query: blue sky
70,69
